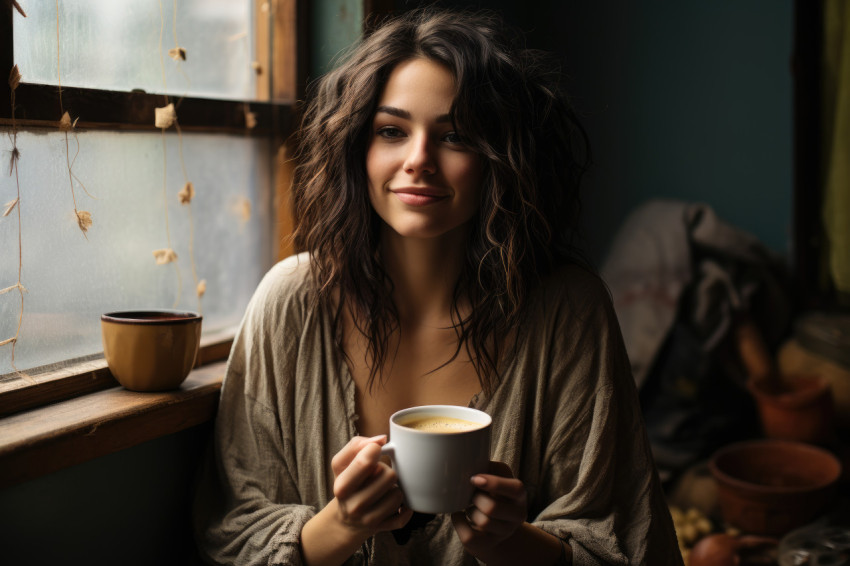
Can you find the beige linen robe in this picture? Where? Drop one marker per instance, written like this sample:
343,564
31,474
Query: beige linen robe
565,419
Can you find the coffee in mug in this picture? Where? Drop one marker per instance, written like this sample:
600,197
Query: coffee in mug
435,450
440,424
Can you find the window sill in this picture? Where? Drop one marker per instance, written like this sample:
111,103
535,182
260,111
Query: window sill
40,441
23,393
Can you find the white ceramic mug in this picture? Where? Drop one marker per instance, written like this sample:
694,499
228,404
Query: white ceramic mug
434,468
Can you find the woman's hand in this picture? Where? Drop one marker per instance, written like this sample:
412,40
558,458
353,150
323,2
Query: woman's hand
366,500
499,508
366,490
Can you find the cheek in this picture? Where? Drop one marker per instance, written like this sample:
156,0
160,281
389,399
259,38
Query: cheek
380,167
371,163
468,174
376,175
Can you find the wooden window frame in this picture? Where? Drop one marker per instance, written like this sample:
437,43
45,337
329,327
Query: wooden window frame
37,108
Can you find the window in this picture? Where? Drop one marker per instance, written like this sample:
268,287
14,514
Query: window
96,200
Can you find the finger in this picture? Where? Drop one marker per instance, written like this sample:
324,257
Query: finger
375,513
360,469
392,512
346,455
372,491
464,531
484,523
499,509
500,486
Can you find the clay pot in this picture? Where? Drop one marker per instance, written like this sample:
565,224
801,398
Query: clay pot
725,550
769,487
795,408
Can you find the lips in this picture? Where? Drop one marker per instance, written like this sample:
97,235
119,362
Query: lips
419,196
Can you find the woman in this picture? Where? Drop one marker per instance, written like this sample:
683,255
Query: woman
435,198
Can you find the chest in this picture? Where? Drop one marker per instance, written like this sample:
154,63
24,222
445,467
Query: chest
421,369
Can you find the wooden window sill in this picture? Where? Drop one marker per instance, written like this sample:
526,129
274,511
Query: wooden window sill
40,441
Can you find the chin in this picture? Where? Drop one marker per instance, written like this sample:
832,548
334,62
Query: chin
425,230
418,232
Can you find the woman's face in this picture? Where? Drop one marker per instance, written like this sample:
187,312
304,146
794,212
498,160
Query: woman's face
423,181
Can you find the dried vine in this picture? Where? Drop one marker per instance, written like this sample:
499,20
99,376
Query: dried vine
84,219
15,205
242,207
187,193
164,118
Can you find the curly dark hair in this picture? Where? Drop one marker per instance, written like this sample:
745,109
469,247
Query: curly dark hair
511,110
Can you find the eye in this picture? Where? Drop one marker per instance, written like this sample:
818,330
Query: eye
453,138
389,132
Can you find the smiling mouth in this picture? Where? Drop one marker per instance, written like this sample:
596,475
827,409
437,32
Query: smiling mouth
419,196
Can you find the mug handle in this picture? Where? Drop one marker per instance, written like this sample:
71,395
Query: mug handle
388,449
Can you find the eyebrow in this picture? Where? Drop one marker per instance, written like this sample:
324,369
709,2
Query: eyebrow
405,115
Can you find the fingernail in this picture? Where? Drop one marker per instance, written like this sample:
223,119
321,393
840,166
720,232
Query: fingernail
478,480
377,438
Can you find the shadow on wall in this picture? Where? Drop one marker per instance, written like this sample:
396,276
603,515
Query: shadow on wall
132,507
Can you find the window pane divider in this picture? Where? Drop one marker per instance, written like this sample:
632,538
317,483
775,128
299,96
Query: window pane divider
38,105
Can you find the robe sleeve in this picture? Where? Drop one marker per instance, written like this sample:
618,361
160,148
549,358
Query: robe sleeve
247,508
605,497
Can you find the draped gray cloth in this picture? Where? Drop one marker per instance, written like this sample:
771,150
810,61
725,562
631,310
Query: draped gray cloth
680,278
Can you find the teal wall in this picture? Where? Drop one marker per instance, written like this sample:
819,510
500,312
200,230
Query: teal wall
688,100
336,24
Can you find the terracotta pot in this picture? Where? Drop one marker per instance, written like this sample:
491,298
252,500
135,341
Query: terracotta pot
770,487
795,408
725,550
794,359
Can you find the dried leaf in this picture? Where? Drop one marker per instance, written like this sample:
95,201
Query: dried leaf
12,288
18,8
165,116
202,287
10,206
237,36
257,67
8,341
177,53
84,220
14,77
65,122
187,193
250,120
243,209
164,256
13,158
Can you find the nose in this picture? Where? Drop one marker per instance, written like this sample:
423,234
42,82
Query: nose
420,159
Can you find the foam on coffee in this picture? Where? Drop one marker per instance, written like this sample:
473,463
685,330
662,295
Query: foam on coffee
439,423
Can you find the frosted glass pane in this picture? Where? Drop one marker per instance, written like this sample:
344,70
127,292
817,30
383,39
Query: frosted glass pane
115,45
72,279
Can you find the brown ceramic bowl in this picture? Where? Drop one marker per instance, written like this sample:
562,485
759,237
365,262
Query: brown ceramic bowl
770,487
797,407
150,350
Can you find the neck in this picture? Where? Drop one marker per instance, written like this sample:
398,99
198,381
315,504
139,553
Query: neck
424,273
